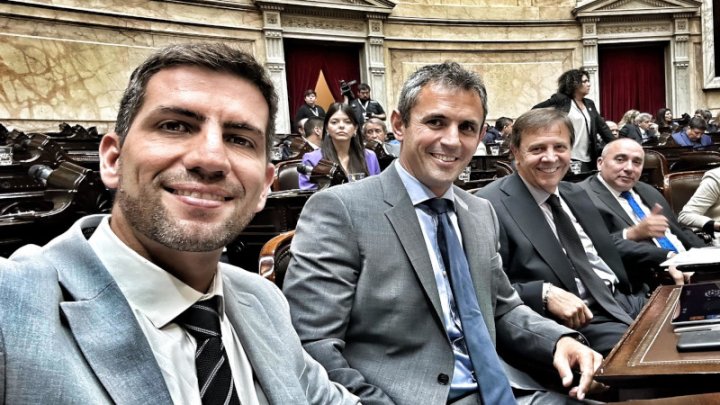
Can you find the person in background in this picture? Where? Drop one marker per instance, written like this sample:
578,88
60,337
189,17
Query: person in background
571,97
309,108
365,107
640,130
694,135
664,121
702,211
135,307
374,129
499,132
341,145
613,129
313,132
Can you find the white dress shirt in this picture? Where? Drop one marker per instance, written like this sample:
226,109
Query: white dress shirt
156,298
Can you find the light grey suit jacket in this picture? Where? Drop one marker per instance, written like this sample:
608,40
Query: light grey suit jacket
364,301
68,335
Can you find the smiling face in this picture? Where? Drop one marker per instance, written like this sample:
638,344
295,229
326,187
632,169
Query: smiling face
543,157
340,128
621,164
668,116
441,135
192,171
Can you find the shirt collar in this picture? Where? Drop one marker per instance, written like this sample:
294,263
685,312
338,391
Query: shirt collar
417,191
538,194
159,295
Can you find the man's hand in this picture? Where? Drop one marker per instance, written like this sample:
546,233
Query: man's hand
652,226
568,308
569,354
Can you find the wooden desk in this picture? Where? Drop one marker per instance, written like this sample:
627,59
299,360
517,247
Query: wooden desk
646,363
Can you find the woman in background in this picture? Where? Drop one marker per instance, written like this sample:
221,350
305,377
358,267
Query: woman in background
573,87
702,211
341,145
664,121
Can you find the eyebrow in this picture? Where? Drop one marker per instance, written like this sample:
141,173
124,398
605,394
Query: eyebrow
201,118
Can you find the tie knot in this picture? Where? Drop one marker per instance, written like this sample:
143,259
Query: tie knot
438,206
201,320
626,195
553,201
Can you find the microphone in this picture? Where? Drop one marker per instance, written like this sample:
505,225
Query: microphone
40,173
303,169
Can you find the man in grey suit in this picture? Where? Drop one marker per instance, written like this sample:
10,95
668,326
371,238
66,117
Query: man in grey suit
637,237
368,285
554,245
135,308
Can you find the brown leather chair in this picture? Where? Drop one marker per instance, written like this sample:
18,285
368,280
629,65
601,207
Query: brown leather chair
286,175
655,169
700,160
503,169
275,258
680,186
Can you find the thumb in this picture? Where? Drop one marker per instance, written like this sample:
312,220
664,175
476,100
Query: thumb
656,209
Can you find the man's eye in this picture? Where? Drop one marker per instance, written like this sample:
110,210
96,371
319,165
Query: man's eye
174,126
468,128
434,122
240,141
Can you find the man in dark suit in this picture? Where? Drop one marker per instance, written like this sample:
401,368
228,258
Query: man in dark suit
640,130
615,190
135,308
554,245
370,292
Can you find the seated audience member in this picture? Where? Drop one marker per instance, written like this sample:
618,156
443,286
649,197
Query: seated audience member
309,109
301,126
640,129
714,125
135,307
554,245
384,294
314,132
644,227
374,129
664,121
702,211
613,130
628,117
500,132
341,145
694,135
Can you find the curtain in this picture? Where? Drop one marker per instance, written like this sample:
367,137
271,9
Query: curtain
632,77
304,61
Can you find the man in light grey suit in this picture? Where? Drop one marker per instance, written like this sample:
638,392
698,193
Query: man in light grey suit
366,286
115,309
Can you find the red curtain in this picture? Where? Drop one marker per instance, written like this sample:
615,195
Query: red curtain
304,61
632,77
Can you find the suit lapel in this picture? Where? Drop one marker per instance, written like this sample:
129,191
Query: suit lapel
606,197
531,222
104,327
403,220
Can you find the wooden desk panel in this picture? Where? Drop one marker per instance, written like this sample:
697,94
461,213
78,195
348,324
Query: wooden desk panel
646,356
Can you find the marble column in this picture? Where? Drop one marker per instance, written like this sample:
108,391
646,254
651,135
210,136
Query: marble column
590,57
682,95
376,60
275,54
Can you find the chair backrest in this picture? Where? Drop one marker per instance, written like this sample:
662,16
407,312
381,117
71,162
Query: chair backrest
655,169
700,160
275,258
503,168
680,186
286,175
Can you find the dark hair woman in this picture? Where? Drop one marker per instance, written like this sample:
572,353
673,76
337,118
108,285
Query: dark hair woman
573,87
341,145
664,121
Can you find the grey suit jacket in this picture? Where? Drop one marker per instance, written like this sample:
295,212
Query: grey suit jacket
641,253
531,253
364,301
68,335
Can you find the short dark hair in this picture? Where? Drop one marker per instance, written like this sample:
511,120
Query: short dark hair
537,119
312,123
448,74
697,123
217,57
309,92
363,87
502,122
569,81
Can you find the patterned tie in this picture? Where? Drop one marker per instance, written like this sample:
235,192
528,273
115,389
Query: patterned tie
214,376
492,382
579,262
640,214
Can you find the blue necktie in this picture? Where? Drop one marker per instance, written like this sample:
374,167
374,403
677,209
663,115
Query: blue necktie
640,214
492,382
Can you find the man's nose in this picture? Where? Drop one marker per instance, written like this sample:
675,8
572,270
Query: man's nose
208,154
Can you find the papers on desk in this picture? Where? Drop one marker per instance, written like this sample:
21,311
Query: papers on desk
695,256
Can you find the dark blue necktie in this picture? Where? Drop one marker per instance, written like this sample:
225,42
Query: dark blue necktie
640,214
492,382
214,376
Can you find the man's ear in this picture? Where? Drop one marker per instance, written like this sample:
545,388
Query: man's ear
110,160
269,177
397,125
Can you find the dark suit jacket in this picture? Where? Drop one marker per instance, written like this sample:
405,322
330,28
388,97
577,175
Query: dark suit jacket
531,252
633,131
597,123
364,301
643,253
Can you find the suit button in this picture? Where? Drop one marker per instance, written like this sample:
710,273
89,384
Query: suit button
443,379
